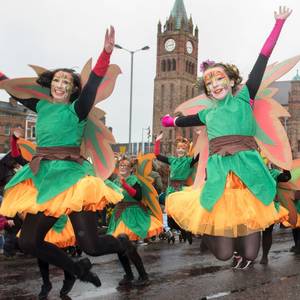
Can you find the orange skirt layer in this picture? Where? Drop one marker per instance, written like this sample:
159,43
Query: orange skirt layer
287,224
89,193
64,239
237,213
156,228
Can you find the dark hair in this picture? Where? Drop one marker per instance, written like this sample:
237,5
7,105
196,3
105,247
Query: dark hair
231,70
45,80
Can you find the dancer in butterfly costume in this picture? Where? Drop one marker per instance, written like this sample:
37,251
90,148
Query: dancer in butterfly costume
138,215
60,180
181,171
235,202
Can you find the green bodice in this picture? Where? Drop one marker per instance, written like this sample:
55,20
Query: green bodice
57,125
234,116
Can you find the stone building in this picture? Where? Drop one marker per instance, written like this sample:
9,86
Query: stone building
13,115
176,70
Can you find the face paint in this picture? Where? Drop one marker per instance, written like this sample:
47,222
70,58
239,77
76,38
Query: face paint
181,149
62,86
217,83
124,168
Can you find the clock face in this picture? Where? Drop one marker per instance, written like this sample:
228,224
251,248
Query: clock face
170,45
189,47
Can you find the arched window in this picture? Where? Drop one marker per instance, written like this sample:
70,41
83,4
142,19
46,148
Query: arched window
169,65
193,69
186,66
163,65
173,64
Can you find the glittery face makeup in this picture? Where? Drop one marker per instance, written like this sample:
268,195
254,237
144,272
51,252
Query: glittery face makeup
62,86
181,149
217,83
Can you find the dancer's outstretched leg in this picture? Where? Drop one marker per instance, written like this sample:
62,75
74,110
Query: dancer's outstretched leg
34,230
84,224
46,286
266,244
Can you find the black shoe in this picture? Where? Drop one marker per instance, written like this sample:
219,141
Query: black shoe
142,281
45,290
85,274
67,286
126,281
293,248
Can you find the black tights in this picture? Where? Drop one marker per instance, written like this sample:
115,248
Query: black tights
44,270
223,247
296,236
267,241
35,228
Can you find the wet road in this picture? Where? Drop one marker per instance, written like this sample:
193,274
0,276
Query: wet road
176,271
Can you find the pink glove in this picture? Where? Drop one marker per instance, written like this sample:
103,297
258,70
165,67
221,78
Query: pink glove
130,190
272,39
102,64
15,152
157,147
168,121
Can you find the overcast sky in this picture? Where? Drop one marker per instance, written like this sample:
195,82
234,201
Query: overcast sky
56,33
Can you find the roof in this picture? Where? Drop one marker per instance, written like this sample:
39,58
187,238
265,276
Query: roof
18,109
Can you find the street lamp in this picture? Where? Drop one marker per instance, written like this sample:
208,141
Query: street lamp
131,82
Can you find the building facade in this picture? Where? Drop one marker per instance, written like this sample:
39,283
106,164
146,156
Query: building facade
13,115
176,70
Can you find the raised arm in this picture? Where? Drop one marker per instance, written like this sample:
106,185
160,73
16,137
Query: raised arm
185,121
87,97
259,68
160,157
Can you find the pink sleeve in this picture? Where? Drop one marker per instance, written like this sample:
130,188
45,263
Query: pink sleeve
272,39
102,64
157,147
14,147
130,190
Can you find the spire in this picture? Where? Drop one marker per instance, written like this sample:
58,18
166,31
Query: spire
179,14
297,77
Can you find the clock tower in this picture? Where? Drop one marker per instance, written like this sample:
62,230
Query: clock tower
176,70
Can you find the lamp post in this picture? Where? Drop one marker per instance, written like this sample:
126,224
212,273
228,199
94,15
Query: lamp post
143,149
131,83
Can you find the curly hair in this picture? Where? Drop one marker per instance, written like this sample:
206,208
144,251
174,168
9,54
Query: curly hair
231,71
45,80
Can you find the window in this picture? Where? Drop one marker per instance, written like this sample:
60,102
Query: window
7,129
163,66
169,65
33,132
298,146
173,64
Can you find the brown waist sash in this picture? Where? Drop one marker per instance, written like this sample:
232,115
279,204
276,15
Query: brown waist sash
230,144
55,153
121,206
